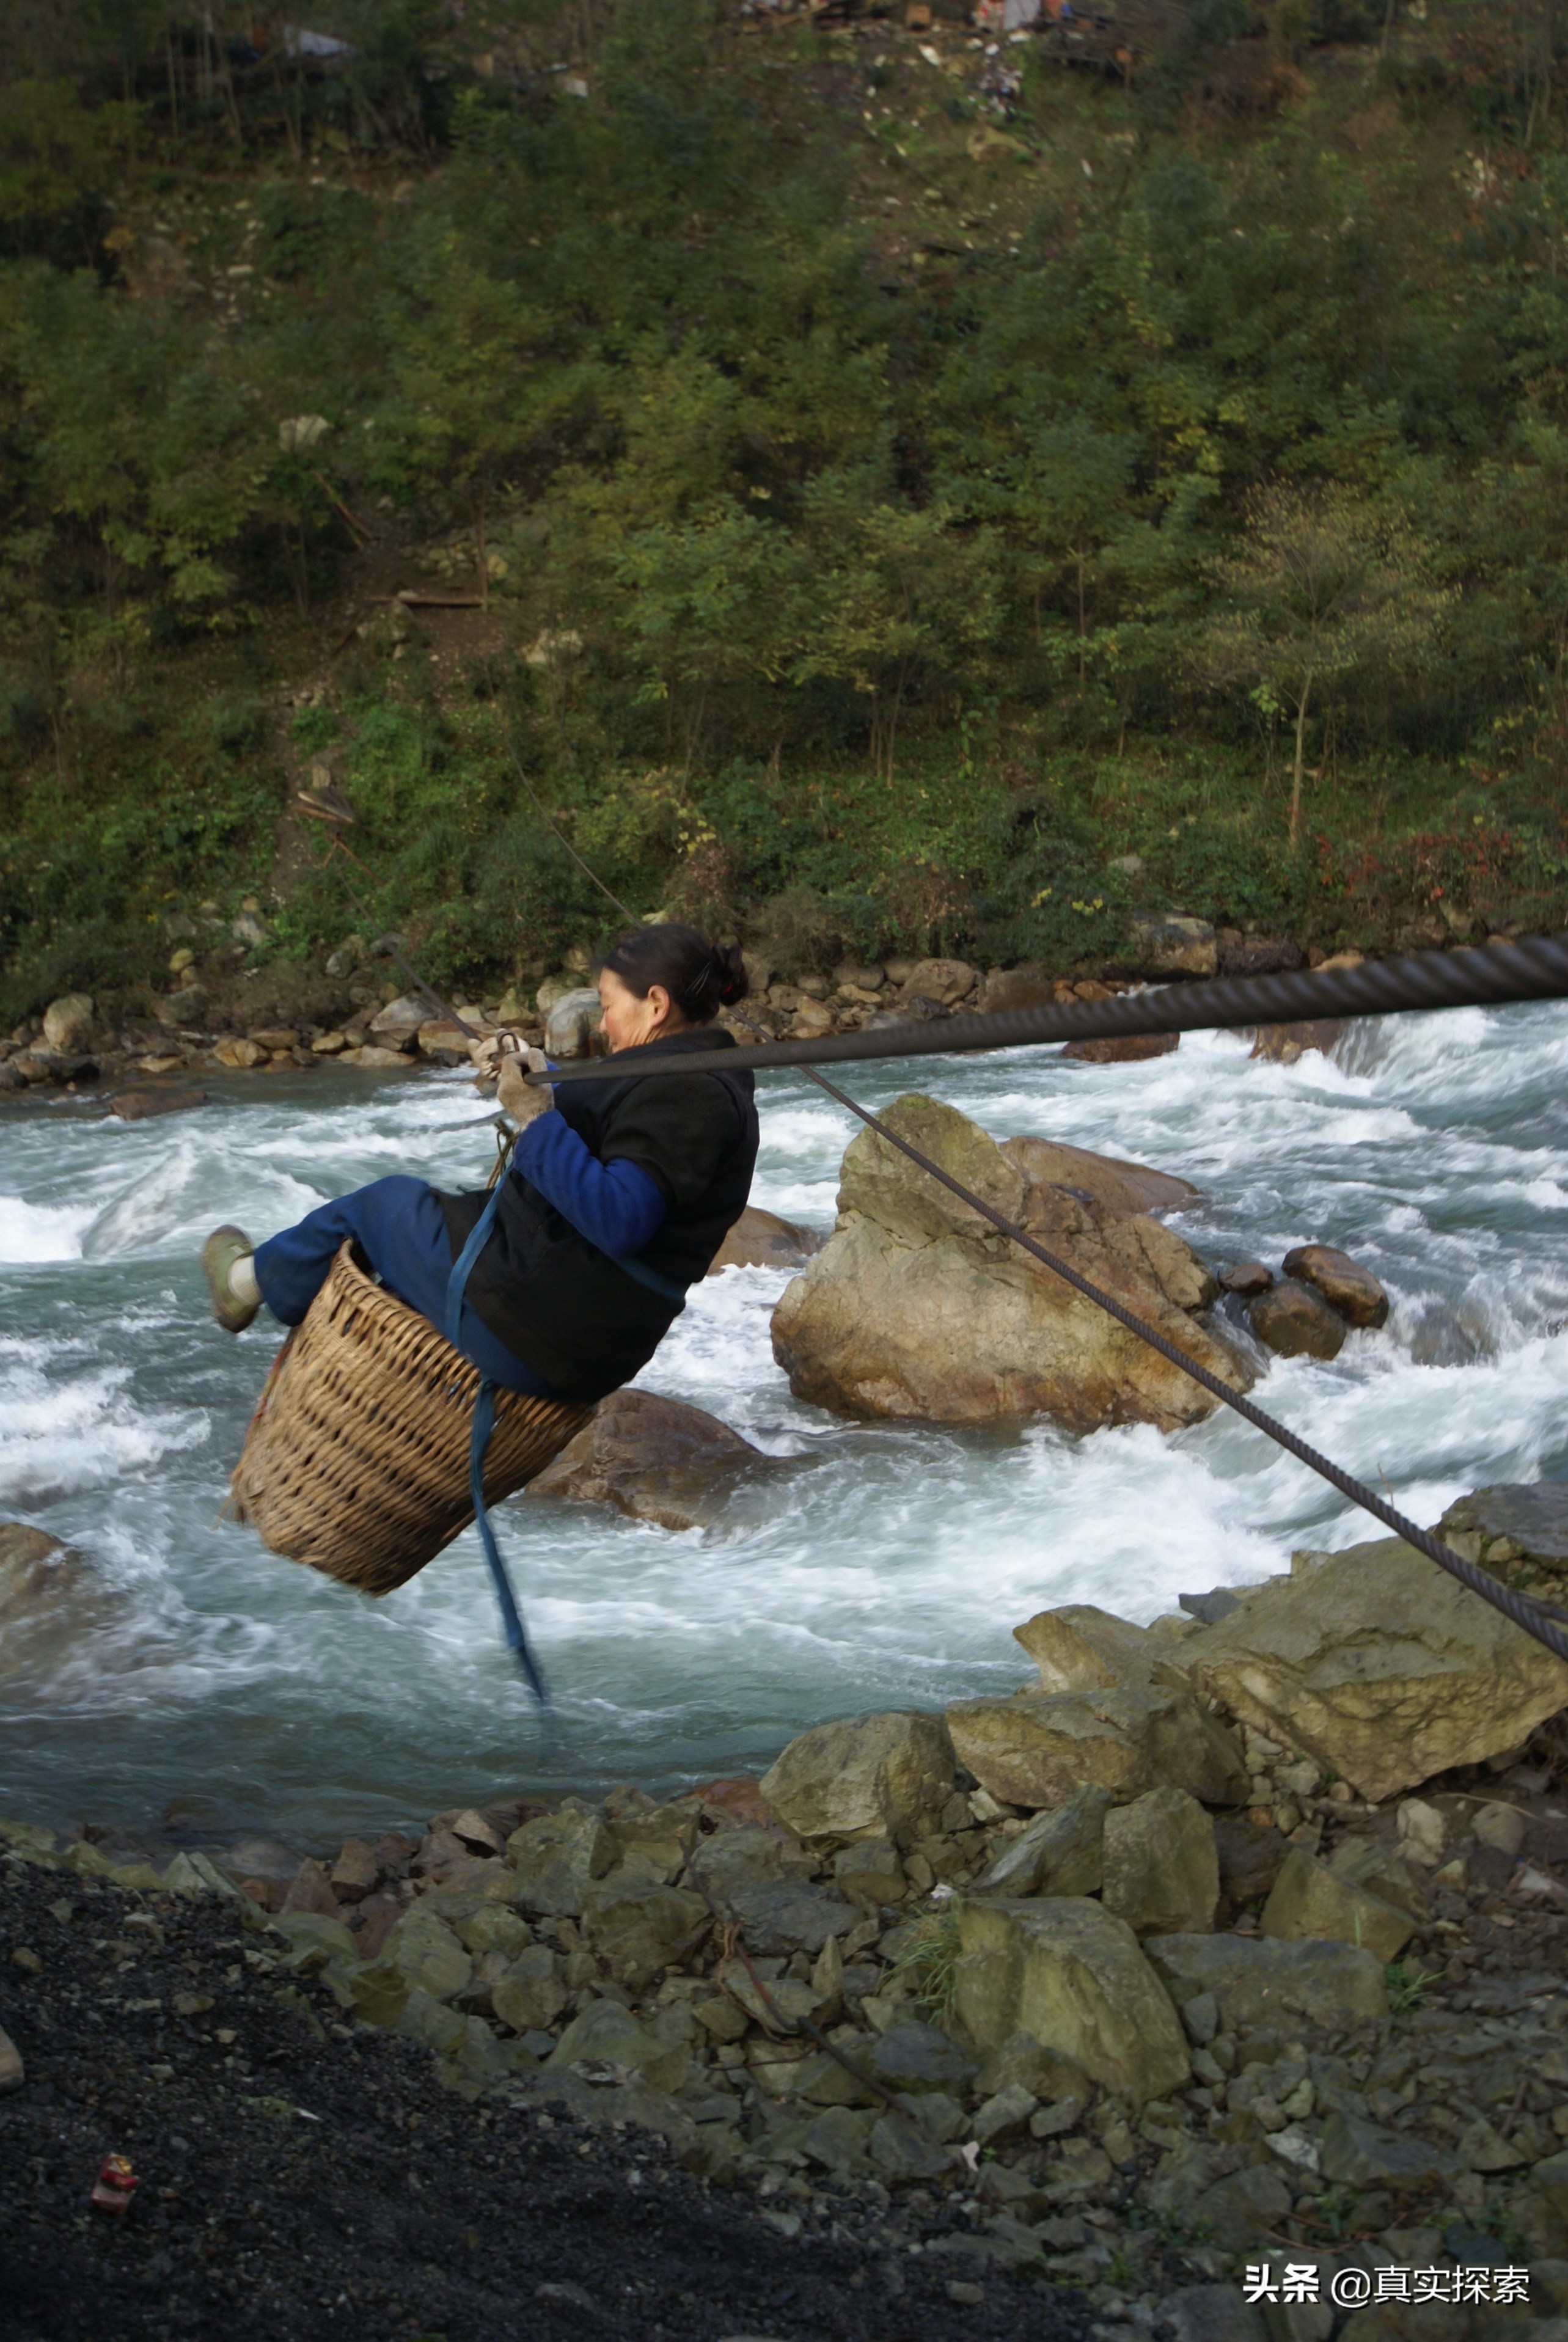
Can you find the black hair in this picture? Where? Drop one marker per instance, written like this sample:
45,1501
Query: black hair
699,977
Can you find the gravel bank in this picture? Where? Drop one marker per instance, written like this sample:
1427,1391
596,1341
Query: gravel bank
304,2179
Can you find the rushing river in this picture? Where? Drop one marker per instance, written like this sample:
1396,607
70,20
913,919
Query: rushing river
206,1676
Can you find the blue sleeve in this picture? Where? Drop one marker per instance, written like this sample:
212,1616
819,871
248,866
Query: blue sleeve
615,1206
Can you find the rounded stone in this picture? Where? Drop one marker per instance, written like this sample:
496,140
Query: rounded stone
1295,1322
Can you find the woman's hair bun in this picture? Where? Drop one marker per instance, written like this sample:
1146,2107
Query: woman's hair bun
699,977
731,967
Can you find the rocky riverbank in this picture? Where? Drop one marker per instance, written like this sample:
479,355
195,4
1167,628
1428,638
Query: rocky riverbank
1243,1934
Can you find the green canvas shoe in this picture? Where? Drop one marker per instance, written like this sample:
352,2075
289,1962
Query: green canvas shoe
222,1250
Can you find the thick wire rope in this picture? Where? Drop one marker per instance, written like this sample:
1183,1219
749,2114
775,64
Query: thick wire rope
1478,976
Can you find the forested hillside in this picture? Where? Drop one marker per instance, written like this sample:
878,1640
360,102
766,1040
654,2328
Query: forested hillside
872,481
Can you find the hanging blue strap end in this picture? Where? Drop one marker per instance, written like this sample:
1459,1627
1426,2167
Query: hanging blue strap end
512,1625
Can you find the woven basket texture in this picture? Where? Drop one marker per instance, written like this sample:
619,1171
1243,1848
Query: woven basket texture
356,1460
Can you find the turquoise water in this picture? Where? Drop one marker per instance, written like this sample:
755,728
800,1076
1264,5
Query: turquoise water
203,1674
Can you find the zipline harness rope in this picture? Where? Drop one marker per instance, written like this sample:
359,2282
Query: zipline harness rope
512,1625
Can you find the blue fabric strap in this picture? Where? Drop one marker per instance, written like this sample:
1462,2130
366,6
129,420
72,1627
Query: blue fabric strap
478,1236
512,1625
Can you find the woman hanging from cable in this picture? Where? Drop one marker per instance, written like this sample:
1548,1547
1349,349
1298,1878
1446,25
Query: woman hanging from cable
618,1196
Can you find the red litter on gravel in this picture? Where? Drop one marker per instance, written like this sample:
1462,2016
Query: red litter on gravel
114,2186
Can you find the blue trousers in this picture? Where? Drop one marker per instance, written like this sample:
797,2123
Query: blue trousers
400,1227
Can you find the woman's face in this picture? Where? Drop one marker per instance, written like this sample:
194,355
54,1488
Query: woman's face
628,1022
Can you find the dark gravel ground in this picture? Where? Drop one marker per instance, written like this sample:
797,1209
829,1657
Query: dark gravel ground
303,2180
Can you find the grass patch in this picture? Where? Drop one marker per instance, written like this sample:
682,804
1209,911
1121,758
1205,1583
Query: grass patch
927,1968
1408,1986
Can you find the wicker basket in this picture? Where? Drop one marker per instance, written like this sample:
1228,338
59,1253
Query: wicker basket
356,1460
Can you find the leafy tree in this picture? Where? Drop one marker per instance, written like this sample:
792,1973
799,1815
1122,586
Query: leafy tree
1324,583
707,601
147,457
467,401
57,159
903,594
1076,497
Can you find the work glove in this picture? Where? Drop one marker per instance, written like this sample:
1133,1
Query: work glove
505,1056
489,1049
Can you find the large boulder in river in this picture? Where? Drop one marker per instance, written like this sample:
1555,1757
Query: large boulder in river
143,1105
916,1307
37,1571
1120,1189
654,1459
1297,1322
762,1239
48,1594
1122,1049
1379,1665
1286,1045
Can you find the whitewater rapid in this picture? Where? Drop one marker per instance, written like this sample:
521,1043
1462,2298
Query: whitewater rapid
206,1680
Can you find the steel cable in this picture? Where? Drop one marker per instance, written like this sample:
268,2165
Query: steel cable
1480,977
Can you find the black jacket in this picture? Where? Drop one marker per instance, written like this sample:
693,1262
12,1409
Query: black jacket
565,1308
